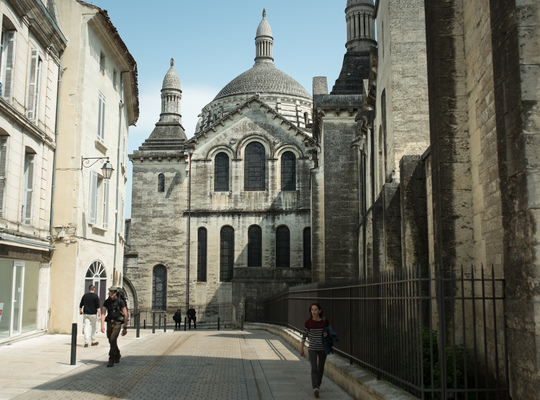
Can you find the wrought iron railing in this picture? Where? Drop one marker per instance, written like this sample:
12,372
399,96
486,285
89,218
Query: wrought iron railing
436,337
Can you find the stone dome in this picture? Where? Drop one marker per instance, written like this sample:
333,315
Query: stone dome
171,80
263,78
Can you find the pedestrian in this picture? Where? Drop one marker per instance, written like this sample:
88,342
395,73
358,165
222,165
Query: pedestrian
115,309
191,317
314,331
89,309
177,320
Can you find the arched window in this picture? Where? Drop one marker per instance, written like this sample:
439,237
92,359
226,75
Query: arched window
288,171
159,288
202,237
283,247
161,183
254,246
221,173
307,247
226,254
254,167
97,276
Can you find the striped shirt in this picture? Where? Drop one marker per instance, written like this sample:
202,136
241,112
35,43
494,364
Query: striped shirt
313,330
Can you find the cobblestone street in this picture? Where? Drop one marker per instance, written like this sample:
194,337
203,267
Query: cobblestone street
197,364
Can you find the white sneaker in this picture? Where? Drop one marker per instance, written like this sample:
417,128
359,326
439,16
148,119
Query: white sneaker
316,392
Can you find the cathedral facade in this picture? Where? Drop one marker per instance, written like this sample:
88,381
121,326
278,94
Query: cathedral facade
229,210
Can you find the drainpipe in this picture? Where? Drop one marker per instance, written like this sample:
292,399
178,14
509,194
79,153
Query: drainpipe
53,182
189,153
118,164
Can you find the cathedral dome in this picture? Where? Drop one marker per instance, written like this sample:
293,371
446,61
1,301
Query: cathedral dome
264,78
171,80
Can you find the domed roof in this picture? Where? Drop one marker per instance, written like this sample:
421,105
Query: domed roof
263,78
171,80
264,27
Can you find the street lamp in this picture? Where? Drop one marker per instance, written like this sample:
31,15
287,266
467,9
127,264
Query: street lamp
107,168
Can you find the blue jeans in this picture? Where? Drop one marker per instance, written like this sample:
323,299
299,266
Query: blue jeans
317,368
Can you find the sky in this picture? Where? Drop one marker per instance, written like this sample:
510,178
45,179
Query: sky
213,41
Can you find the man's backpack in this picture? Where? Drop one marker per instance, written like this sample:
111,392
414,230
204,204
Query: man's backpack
115,313
121,293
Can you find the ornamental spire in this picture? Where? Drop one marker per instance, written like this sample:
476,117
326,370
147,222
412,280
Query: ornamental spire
264,41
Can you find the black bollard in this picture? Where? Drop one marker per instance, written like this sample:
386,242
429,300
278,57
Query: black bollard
242,323
218,323
164,323
144,323
153,323
159,324
73,344
138,322
185,323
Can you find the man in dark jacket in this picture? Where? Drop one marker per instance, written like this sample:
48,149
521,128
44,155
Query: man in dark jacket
191,317
115,309
89,308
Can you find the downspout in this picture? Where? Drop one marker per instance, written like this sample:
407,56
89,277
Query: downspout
118,164
57,116
188,231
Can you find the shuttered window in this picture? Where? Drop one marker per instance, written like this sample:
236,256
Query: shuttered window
101,118
28,188
288,171
226,254
93,201
34,80
105,203
254,246
221,173
8,60
254,167
3,172
283,247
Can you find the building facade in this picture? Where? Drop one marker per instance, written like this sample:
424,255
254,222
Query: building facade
30,61
98,103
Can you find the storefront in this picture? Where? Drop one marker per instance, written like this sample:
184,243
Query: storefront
19,286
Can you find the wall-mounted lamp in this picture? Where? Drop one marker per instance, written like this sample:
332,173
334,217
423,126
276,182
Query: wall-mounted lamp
107,168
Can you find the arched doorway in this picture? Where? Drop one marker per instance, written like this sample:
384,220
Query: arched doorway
96,275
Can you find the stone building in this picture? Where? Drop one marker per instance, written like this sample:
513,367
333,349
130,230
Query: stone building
232,203
98,103
30,62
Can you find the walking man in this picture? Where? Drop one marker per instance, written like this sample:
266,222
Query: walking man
89,308
116,311
191,317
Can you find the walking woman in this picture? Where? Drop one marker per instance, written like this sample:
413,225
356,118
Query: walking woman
313,330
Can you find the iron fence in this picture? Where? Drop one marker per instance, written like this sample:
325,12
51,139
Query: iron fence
437,337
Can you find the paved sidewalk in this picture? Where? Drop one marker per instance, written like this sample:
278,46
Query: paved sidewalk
197,364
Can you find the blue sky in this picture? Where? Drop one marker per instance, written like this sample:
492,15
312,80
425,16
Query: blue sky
213,41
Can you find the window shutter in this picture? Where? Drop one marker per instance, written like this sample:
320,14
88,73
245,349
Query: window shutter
29,188
101,118
32,85
3,165
106,204
9,48
93,198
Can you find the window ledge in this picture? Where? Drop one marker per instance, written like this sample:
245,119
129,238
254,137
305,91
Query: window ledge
98,229
100,146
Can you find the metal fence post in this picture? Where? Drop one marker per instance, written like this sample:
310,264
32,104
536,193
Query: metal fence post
185,323
153,322
138,322
218,323
164,323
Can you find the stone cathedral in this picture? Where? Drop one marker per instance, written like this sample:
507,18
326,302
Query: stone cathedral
226,217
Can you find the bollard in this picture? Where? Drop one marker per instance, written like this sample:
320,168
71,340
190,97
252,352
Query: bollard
73,343
144,323
164,323
242,323
159,323
153,323
218,323
138,322
185,323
